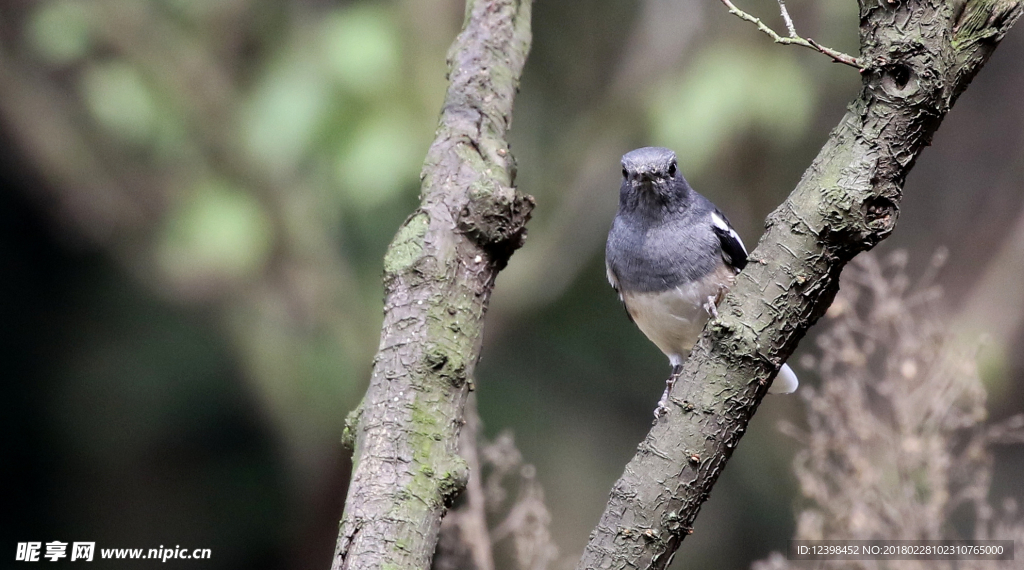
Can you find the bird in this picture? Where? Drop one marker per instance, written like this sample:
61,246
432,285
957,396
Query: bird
671,256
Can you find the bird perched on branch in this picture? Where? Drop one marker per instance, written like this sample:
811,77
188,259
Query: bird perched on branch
671,256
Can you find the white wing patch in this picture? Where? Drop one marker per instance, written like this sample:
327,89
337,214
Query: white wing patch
725,227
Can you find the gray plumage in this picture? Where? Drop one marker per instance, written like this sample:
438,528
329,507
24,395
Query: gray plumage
663,234
671,255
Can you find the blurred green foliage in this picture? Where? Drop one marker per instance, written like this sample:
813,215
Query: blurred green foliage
59,31
362,51
284,113
217,232
727,90
119,100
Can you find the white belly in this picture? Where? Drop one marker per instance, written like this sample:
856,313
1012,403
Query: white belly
674,318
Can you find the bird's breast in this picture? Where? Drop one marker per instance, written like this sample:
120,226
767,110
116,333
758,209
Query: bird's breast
673,318
657,258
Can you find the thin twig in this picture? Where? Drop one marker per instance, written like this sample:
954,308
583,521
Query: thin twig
473,521
787,19
793,38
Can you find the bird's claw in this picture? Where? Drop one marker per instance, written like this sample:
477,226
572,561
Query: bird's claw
662,408
711,306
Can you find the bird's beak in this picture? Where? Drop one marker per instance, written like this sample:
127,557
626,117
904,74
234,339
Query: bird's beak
647,181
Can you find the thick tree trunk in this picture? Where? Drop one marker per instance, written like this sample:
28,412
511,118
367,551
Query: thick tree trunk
919,56
438,276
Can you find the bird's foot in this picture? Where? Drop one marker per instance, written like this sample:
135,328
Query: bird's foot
661,410
711,306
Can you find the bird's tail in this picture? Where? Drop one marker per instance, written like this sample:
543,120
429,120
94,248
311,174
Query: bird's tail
786,381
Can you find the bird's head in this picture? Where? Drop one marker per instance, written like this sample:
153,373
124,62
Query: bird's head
652,171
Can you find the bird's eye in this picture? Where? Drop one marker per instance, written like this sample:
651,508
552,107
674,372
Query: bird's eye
672,169
625,174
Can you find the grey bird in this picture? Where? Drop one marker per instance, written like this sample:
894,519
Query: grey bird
671,256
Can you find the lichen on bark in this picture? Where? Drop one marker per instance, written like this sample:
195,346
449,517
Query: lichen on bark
407,246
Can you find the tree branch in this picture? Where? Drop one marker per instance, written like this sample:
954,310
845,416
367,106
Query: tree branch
438,276
793,38
786,18
919,55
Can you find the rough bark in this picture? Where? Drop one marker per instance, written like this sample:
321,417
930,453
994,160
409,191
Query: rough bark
438,276
919,55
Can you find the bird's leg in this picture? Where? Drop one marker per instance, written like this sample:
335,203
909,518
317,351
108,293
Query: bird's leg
662,408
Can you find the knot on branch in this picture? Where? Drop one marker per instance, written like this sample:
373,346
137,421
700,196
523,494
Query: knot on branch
495,219
899,80
856,220
902,68
446,364
880,215
348,434
453,481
